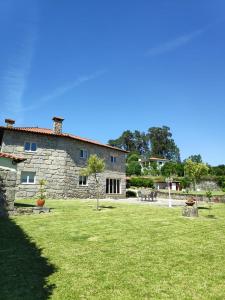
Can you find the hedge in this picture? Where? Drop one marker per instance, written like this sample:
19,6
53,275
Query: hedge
141,182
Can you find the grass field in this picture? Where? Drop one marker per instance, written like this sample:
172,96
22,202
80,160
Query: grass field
121,252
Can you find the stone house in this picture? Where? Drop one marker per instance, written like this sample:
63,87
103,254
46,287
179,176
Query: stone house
59,158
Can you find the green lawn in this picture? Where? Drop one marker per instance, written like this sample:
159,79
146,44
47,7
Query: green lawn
121,252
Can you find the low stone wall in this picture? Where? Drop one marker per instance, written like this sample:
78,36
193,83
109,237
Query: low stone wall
7,190
186,196
207,185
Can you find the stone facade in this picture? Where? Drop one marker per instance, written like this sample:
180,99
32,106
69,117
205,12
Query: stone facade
57,159
7,190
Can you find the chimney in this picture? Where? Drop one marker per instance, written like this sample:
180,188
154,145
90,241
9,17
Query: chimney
9,123
57,125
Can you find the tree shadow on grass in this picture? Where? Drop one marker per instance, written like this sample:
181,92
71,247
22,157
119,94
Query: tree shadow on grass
23,205
24,271
106,206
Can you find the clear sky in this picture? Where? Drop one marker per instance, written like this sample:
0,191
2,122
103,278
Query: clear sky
111,65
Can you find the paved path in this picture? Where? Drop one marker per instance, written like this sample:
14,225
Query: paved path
159,202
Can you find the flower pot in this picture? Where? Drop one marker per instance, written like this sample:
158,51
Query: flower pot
190,203
40,202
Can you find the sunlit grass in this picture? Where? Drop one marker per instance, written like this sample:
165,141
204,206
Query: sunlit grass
130,251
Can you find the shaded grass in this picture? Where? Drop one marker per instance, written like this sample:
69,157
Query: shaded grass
130,252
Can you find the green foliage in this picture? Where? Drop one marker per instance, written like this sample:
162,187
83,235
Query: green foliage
172,169
141,182
95,166
185,182
162,144
133,168
218,170
221,182
133,157
131,141
157,141
195,158
42,189
194,171
154,170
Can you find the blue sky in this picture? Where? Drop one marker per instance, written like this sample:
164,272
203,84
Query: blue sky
108,66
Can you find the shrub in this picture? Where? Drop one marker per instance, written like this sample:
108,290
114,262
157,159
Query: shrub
221,182
133,168
131,194
141,182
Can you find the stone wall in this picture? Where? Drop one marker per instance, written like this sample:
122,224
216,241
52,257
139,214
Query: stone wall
57,160
7,190
207,185
181,196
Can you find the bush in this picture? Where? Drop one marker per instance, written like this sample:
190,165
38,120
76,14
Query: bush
131,194
185,183
221,182
133,168
141,182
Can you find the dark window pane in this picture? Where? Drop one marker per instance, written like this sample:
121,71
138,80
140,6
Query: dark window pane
114,186
27,147
118,186
81,153
107,186
33,147
111,183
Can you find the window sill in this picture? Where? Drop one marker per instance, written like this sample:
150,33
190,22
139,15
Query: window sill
28,183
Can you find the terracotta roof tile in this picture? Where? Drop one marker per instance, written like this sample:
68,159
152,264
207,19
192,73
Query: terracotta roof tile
12,156
47,131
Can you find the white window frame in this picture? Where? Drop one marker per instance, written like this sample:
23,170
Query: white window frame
28,177
82,180
85,153
113,159
30,147
113,180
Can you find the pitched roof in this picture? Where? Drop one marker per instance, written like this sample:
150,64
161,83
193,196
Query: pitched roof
12,156
157,158
47,131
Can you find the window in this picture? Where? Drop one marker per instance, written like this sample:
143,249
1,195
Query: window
28,177
113,159
83,153
82,180
112,186
30,147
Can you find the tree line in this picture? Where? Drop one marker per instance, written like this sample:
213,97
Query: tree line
157,141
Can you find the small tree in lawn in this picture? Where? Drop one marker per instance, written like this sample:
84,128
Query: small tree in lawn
194,171
95,166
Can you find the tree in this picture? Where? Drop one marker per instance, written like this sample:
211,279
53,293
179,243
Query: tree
132,141
162,144
172,169
95,166
133,168
195,158
194,171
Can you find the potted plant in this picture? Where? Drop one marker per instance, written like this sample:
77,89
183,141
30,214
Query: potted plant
190,201
42,193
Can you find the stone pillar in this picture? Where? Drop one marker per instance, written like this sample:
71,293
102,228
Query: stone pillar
7,190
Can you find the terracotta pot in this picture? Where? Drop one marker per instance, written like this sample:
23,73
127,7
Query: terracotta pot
40,202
